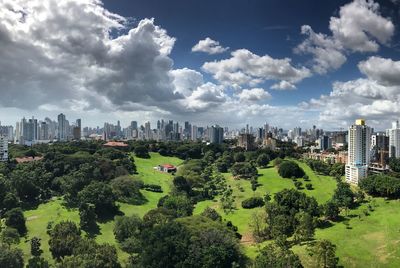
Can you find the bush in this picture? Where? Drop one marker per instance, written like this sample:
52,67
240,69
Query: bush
153,188
309,186
253,202
288,169
298,184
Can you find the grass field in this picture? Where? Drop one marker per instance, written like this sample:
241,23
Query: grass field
38,218
365,241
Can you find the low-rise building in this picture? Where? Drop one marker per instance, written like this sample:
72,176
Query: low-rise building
3,148
168,168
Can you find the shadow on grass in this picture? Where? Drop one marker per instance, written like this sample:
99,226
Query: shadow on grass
106,216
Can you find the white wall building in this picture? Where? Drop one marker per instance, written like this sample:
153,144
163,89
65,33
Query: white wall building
394,139
3,148
359,152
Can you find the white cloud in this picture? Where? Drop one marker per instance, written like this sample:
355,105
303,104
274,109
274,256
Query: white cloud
283,85
359,28
186,80
209,46
253,95
247,68
384,71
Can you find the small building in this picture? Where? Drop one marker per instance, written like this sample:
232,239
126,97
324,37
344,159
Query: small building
116,144
168,168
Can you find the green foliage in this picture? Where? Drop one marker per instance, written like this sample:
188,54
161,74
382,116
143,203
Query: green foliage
288,169
35,247
381,185
127,190
323,253
282,215
227,200
244,170
182,185
211,214
331,210
64,237
253,202
298,185
15,219
394,164
100,195
141,151
305,228
88,217
343,195
11,257
277,256
9,236
309,186
153,188
37,262
181,205
263,160
239,157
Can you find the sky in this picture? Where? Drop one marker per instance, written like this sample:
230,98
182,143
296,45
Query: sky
229,62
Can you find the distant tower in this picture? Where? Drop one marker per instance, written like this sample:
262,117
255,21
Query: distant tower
394,140
62,128
359,152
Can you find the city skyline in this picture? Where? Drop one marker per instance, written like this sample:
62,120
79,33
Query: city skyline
139,59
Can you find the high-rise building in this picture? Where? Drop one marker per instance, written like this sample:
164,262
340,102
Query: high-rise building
3,148
325,143
217,134
246,141
394,139
195,133
62,127
43,131
359,151
147,131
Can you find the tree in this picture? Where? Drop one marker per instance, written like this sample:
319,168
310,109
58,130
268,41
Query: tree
35,247
278,257
253,202
239,157
182,185
180,204
15,219
343,195
126,227
11,257
88,217
244,170
100,195
64,237
305,228
211,214
298,184
37,262
331,210
127,190
141,151
9,236
323,252
228,200
258,226
263,160
288,169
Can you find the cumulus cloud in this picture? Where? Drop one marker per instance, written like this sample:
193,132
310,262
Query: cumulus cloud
253,95
283,85
209,46
359,28
384,71
247,68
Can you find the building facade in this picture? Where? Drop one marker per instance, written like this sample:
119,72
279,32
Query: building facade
394,140
3,148
358,152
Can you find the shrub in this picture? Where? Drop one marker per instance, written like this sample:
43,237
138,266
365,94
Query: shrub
253,202
309,186
153,188
288,169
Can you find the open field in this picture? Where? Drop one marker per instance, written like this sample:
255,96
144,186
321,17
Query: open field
38,218
365,241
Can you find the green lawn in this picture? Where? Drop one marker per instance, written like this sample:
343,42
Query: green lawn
37,219
371,241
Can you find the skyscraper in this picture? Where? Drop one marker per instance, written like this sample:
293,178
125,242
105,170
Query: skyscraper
359,150
3,148
394,139
217,134
62,128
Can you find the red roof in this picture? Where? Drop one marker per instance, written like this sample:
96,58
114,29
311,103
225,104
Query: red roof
168,166
115,144
28,159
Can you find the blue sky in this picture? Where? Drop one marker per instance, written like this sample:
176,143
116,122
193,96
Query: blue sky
286,62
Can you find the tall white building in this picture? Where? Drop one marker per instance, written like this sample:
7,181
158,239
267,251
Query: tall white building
195,133
359,152
394,139
3,148
62,128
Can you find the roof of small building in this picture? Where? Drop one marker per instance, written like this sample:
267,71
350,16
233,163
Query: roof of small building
116,144
28,159
169,166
